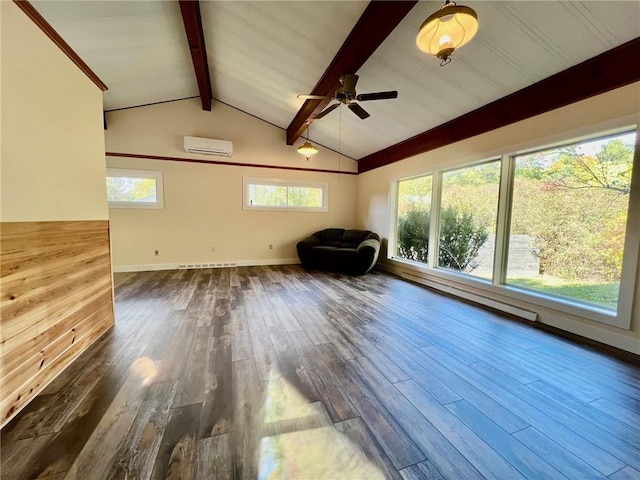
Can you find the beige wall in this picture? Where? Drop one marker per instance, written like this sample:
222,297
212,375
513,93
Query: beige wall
611,110
52,143
203,203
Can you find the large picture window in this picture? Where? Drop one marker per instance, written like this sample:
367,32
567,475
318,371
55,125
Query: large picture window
273,194
134,188
547,226
568,219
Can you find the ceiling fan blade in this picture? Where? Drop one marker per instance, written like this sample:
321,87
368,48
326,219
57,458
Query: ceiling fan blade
358,110
313,97
364,97
329,109
349,81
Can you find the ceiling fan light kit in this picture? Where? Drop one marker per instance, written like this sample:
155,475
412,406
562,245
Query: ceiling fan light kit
446,30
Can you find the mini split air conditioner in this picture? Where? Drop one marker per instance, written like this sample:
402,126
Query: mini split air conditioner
208,146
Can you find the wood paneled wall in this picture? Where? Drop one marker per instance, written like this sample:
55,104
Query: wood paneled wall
56,300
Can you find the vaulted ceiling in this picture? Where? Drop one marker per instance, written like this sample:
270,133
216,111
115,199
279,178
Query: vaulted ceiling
262,54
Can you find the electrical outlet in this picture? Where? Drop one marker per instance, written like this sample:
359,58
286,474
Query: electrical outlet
156,252
271,246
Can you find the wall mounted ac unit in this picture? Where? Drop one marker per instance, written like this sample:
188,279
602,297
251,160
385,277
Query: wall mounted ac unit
208,146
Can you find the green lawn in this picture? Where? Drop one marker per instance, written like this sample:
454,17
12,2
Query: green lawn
602,294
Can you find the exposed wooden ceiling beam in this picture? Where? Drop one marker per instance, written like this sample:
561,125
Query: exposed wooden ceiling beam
610,70
374,26
190,10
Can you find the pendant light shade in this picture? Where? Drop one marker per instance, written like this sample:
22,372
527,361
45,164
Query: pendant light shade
446,30
307,148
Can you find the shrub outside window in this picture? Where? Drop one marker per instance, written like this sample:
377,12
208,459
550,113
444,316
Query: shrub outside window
414,212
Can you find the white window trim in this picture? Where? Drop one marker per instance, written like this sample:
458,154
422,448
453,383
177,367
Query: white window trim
276,182
620,318
129,173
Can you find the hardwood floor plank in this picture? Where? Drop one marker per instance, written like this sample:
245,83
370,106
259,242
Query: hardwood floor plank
173,358
177,453
522,458
311,322
214,459
586,411
263,351
136,455
626,473
421,471
21,454
222,313
536,417
335,400
95,457
279,372
595,434
400,448
217,407
248,416
401,352
294,372
469,444
618,412
371,451
240,336
494,408
564,461
192,383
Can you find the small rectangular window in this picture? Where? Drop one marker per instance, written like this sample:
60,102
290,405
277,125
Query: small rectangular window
273,194
134,188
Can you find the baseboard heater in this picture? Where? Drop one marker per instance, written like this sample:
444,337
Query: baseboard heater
488,302
187,266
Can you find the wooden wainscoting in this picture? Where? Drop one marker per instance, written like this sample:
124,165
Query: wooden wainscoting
56,301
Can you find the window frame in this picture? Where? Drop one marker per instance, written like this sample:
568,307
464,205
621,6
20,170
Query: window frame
621,318
277,182
146,174
441,179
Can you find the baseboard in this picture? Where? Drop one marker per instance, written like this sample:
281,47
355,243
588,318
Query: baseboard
145,268
193,265
278,261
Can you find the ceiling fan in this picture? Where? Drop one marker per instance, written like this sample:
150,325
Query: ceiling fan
347,95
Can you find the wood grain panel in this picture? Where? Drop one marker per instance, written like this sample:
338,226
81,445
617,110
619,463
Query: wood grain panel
56,301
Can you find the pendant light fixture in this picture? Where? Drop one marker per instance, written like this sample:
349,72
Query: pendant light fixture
446,30
307,148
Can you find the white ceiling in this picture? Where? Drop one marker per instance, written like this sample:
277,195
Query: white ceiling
262,54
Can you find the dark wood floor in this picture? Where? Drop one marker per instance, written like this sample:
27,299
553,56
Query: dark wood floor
275,372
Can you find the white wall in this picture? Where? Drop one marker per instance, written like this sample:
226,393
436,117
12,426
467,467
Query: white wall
610,110
52,150
203,203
